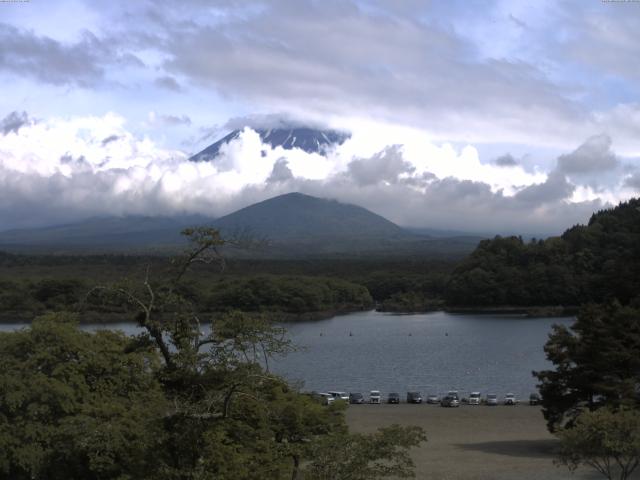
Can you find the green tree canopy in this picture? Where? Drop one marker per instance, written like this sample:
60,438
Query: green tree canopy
76,404
593,263
383,454
597,362
606,440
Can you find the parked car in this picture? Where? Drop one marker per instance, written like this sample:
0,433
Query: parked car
449,401
510,399
414,397
344,396
433,399
491,399
393,397
534,399
474,398
355,398
454,394
374,396
326,398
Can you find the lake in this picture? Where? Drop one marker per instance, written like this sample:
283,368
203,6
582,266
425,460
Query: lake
432,352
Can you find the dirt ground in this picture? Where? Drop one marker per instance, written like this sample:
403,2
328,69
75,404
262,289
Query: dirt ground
473,442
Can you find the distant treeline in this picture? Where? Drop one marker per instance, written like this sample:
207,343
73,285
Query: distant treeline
285,293
588,263
23,300
31,285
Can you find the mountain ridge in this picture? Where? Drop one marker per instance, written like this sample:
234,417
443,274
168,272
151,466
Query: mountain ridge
295,225
307,139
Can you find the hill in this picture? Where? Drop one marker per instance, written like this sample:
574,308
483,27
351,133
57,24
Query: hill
102,234
588,263
298,225
294,225
307,139
299,217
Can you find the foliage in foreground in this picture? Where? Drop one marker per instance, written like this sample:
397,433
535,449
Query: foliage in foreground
605,440
364,457
76,404
591,399
174,402
597,363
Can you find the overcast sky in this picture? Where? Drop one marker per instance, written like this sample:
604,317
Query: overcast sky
506,116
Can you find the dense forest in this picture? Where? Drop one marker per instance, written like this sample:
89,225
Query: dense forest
31,285
285,294
587,263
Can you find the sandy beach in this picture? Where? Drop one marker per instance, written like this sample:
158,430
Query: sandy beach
473,442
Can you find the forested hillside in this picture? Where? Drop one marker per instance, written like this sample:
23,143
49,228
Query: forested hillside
588,263
32,285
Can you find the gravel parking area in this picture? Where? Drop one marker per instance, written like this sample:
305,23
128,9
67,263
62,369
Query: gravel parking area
473,442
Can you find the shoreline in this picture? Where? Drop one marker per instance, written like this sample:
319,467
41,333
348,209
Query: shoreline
532,311
288,317
95,318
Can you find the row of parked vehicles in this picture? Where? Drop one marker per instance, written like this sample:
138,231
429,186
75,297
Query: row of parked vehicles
451,399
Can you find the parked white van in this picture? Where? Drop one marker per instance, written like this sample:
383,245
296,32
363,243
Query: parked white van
474,398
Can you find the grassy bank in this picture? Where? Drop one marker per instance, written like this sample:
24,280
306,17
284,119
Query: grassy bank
472,442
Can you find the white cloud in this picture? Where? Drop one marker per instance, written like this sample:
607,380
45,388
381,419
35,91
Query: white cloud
64,169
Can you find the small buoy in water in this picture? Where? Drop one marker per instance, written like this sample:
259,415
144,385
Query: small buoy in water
350,334
409,333
320,333
446,334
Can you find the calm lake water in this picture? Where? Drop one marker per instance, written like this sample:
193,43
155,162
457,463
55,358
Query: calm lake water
432,352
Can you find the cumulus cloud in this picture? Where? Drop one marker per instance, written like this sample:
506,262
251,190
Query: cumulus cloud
281,172
386,166
556,187
545,77
13,122
594,155
506,160
63,169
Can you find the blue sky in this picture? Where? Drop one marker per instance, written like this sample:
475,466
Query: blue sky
457,85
